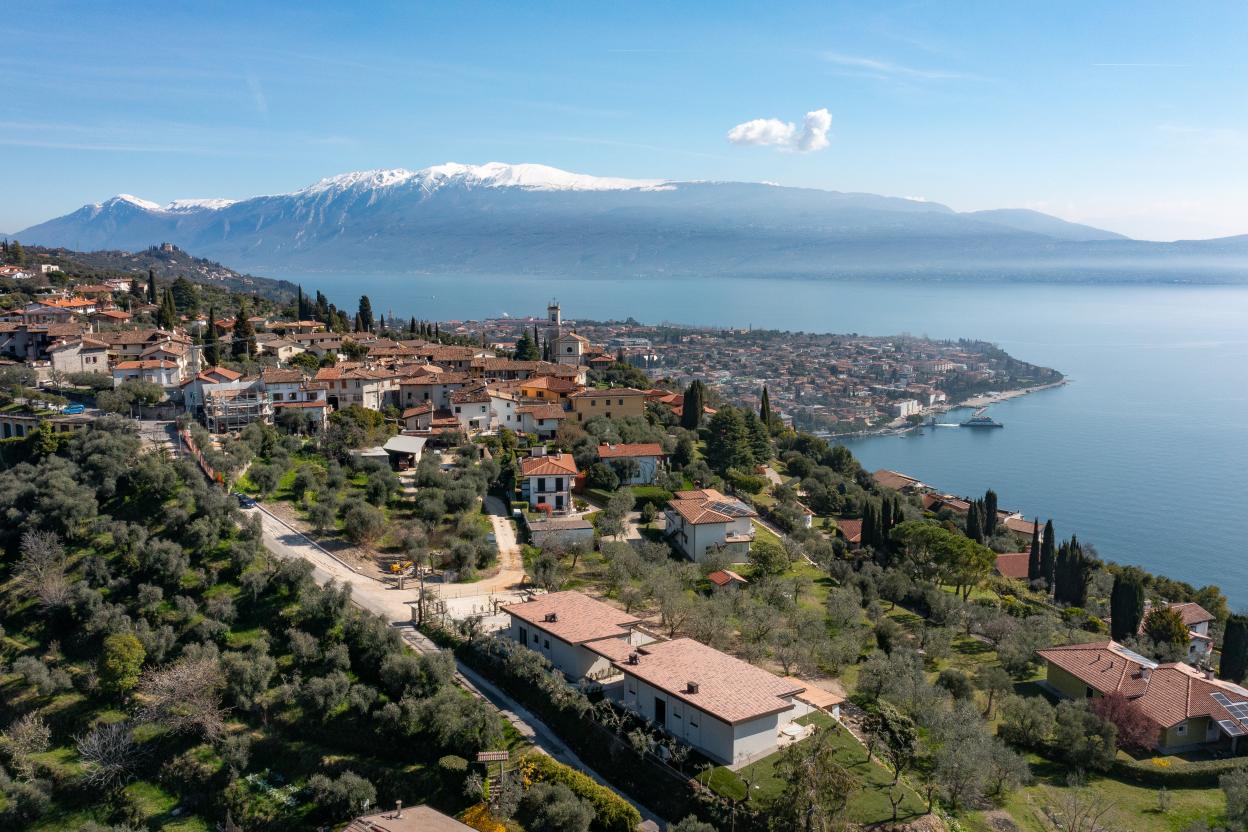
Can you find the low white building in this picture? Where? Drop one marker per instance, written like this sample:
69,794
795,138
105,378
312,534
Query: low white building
726,708
637,464
541,420
562,625
706,520
162,373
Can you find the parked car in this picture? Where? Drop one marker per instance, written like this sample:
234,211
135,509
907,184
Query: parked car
73,409
244,500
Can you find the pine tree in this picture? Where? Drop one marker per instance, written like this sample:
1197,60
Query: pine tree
244,345
1033,559
1126,606
692,405
728,442
136,288
973,528
151,286
989,515
212,346
17,253
764,408
1234,667
1048,556
526,350
364,319
760,437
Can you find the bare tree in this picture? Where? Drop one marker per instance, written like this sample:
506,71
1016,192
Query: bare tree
1079,809
43,568
27,736
185,696
109,754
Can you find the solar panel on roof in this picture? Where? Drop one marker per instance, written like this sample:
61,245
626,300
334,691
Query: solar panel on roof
1239,710
1220,698
1232,729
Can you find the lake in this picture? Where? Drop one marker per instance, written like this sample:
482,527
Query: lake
1144,454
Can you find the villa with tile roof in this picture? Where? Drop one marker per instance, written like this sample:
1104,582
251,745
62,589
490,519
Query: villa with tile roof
636,464
562,626
706,520
546,479
1189,708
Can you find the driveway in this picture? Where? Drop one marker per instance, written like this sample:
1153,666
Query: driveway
394,605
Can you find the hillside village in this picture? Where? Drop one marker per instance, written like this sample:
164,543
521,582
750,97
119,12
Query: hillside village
625,543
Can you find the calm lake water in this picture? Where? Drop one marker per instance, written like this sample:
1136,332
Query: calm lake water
1144,453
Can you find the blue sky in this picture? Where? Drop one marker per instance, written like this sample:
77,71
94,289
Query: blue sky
1132,115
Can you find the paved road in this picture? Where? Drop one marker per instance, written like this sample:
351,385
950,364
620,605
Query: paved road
395,606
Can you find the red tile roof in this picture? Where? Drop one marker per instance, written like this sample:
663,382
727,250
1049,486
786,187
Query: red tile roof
723,577
728,689
551,465
578,618
626,450
851,530
1013,565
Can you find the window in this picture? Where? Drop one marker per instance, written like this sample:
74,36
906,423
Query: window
546,643
1181,730
621,402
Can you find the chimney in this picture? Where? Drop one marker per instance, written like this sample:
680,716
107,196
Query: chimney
1145,672
1208,674
634,658
691,687
398,808
552,617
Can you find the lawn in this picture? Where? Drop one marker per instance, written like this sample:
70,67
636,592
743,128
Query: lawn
869,803
1131,807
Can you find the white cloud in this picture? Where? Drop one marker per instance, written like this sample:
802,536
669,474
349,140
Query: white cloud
772,132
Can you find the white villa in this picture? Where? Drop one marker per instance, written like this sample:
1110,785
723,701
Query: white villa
700,521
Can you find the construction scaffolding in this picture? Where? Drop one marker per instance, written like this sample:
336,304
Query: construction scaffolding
230,410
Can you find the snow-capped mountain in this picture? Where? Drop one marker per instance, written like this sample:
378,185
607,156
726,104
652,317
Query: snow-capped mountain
525,218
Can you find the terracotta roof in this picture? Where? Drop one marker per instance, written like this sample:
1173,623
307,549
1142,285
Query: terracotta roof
577,617
272,375
411,819
543,411
610,391
1192,613
1020,526
893,479
728,689
708,506
723,577
553,383
815,696
144,365
551,465
1013,565
851,530
625,450
418,410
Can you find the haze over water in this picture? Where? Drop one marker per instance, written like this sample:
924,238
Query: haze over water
1144,454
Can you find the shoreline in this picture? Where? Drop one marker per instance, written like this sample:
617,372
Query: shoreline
976,401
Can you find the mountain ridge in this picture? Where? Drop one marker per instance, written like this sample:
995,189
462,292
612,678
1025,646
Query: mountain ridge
534,219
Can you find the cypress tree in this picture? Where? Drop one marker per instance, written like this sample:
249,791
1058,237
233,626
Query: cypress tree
868,525
764,408
1126,606
411,327
299,303
989,515
212,347
166,315
1033,558
151,285
244,345
364,319
691,407
437,334
1048,559
322,309
973,528
1234,667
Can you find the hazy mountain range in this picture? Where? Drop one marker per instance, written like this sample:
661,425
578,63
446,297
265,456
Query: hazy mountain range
533,219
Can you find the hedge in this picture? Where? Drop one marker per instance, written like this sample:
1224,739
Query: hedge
612,812
1185,775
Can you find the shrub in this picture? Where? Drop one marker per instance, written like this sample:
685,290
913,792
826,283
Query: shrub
611,812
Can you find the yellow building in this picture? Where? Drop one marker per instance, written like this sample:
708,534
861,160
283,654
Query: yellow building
612,402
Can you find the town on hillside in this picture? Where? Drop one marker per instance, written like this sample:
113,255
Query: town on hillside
271,563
